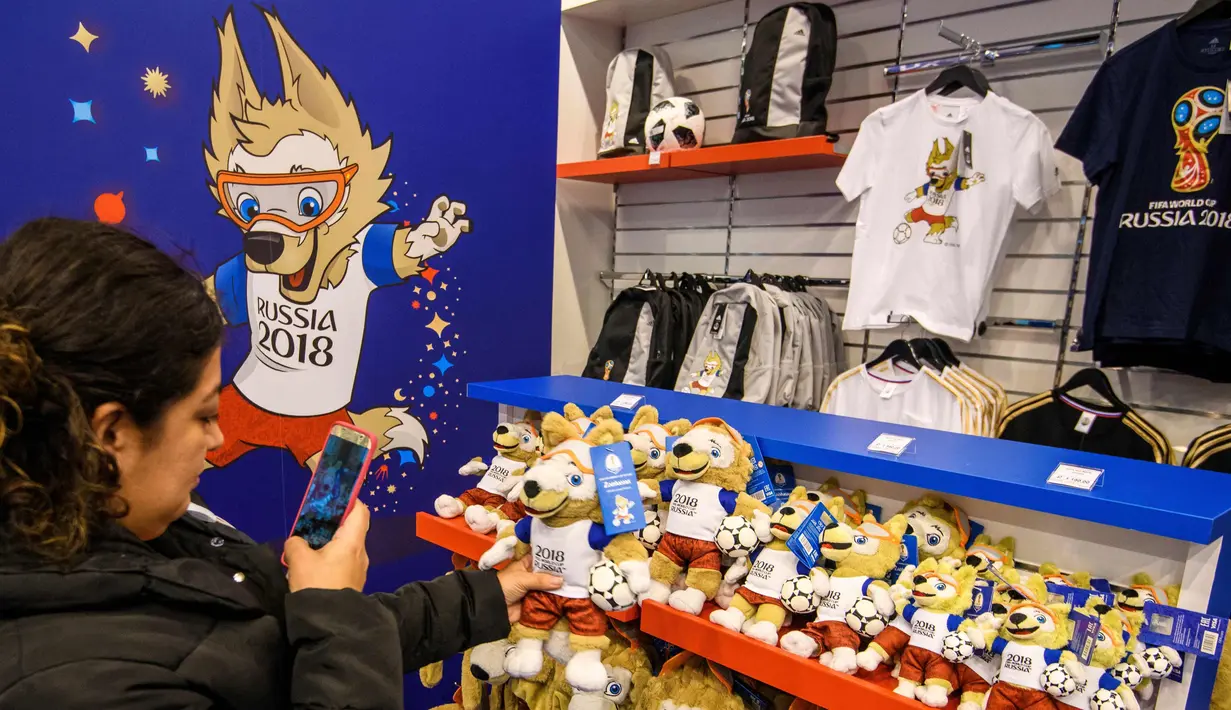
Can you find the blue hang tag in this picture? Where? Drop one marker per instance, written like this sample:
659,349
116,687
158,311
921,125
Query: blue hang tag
1183,630
616,480
761,485
1079,597
876,511
1085,635
805,542
976,529
909,557
1103,585
783,476
981,598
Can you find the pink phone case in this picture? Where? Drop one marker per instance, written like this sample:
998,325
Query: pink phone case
354,494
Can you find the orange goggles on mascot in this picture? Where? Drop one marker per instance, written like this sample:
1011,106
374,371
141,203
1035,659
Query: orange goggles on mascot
300,202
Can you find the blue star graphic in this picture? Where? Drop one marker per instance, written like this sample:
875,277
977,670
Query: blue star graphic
151,155
442,364
83,111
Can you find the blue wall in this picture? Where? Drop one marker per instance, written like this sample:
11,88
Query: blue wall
466,89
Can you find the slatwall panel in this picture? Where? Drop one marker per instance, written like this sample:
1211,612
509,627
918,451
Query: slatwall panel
798,223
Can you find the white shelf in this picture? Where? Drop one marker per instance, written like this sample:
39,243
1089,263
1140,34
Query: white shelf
629,12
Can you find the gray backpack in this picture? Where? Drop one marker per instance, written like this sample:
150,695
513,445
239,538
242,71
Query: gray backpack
637,79
736,348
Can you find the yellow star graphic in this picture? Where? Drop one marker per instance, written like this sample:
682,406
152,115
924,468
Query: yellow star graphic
386,457
447,344
438,324
435,431
392,488
83,37
155,82
444,287
429,346
418,290
403,474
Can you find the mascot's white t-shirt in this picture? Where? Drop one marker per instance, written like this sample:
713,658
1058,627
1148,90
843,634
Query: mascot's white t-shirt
985,663
928,630
1022,665
303,357
696,510
770,570
843,593
501,475
566,553
1086,688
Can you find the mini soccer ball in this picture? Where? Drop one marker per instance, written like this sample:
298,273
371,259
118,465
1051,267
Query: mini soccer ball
1156,664
1127,674
1057,681
864,618
652,533
736,537
798,595
1104,699
901,233
956,647
675,124
609,588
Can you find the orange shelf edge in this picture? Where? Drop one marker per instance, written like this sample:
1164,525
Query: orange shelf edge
737,159
457,537
805,678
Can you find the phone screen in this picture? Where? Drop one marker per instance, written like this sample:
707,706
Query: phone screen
330,490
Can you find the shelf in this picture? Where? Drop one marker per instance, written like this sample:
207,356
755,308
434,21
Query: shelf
457,537
1134,495
804,678
630,12
745,158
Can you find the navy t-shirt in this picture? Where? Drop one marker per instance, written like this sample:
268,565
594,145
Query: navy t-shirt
1147,133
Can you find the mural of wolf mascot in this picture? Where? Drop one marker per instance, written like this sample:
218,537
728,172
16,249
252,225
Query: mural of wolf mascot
302,179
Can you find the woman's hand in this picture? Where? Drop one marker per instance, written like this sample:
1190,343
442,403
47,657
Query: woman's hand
341,564
517,579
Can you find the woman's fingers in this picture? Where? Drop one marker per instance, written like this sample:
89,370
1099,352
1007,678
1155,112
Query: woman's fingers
353,531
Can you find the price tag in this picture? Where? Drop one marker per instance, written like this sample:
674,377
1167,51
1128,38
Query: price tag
1084,422
1085,634
890,444
656,157
1184,630
1066,474
627,401
618,495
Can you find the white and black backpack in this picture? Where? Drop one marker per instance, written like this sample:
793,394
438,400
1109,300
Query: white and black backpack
787,74
635,345
637,80
736,348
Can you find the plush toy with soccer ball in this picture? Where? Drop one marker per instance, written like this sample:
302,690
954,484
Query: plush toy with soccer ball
1110,647
1157,662
853,599
1057,681
648,440
977,669
675,124
758,609
799,595
493,502
942,529
708,470
736,537
609,588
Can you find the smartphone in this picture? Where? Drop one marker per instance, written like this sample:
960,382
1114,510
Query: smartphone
335,484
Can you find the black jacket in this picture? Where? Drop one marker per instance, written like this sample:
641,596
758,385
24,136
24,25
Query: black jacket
202,618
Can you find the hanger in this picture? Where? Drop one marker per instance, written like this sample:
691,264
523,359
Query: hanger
946,352
927,351
648,275
751,277
1094,378
1205,10
900,350
956,77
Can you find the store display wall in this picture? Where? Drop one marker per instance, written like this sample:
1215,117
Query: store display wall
797,223
466,93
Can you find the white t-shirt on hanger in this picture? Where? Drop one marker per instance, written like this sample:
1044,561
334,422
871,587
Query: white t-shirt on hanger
920,399
938,177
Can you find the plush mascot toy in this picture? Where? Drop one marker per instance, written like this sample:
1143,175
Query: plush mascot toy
687,681
940,597
494,499
708,471
1097,688
583,423
856,501
862,556
991,558
1052,575
1154,662
566,536
942,529
757,609
648,439
1034,636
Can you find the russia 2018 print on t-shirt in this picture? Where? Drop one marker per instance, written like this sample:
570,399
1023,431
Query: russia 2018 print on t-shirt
360,186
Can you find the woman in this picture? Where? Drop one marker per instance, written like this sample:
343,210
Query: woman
111,596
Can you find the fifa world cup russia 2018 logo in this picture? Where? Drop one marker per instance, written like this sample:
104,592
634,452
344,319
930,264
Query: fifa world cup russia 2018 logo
1196,118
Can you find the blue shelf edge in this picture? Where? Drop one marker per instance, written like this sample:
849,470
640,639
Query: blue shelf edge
1133,495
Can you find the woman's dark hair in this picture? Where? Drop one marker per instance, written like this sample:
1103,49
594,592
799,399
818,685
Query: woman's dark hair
89,314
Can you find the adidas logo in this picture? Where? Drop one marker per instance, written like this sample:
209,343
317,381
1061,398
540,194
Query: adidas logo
800,32
634,141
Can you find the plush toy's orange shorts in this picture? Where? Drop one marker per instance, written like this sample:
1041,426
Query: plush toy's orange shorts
920,664
1006,696
892,641
832,634
687,552
968,681
478,496
513,510
541,611
757,599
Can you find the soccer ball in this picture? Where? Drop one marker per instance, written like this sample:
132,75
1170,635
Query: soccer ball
1156,664
798,595
1127,673
652,533
956,647
901,233
1057,681
675,124
736,537
609,588
864,618
1104,699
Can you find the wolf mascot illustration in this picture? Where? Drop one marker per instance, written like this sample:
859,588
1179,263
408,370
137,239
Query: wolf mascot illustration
302,179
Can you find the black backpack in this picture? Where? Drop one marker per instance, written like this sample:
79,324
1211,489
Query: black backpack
635,345
787,74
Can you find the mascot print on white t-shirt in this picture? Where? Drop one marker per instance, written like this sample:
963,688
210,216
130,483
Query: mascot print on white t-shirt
303,180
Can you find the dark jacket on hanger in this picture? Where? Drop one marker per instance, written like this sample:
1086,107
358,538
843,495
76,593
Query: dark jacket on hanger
202,618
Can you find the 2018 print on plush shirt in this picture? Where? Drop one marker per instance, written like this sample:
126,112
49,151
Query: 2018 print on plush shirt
362,186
